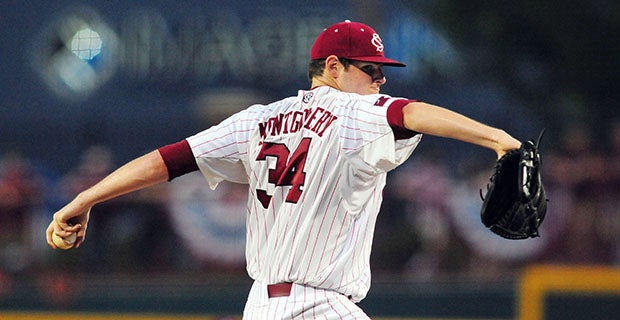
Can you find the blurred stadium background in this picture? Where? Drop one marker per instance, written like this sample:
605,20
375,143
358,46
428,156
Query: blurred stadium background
89,85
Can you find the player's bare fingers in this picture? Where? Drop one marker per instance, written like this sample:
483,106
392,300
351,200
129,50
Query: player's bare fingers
60,221
81,236
64,228
48,235
73,228
78,242
60,231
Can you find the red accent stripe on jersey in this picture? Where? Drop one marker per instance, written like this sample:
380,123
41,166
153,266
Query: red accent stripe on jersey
319,265
225,134
318,233
178,158
329,232
361,121
225,146
361,130
220,148
222,136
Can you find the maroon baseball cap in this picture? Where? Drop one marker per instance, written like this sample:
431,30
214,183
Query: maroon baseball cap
351,40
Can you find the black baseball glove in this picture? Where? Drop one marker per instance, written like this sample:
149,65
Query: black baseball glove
515,203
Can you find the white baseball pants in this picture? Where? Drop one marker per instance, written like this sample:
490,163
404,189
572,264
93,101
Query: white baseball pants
302,303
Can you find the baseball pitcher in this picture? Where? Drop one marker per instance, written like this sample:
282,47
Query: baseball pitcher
315,165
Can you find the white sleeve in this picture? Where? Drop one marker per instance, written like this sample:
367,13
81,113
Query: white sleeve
220,150
367,135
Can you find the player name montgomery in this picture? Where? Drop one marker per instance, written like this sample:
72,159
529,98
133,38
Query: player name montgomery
316,120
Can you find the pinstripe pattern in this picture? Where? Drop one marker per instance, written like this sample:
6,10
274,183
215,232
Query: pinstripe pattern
322,238
303,303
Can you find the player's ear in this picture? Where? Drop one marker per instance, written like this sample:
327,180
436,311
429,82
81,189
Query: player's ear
333,67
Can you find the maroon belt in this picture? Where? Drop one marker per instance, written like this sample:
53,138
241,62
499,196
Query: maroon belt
279,290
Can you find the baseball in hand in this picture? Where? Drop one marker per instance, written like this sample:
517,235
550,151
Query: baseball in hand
64,243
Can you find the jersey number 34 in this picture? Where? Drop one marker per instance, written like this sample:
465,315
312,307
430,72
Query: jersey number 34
288,171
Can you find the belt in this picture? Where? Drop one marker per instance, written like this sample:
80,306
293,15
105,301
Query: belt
279,290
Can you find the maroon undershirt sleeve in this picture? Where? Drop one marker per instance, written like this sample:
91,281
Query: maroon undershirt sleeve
396,121
178,158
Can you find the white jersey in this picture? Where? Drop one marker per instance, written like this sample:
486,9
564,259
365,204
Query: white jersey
316,166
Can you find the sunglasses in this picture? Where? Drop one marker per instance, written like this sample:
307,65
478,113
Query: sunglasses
374,71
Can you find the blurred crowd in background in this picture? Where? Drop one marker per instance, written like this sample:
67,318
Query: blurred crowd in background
429,227
516,65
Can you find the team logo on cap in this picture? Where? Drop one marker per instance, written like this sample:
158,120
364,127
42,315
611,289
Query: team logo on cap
376,41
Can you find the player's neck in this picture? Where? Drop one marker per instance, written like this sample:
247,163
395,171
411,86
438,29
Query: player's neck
321,81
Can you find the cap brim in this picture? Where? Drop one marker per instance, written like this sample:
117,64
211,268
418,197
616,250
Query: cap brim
382,60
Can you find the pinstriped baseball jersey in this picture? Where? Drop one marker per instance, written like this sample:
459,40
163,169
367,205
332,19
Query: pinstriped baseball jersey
316,166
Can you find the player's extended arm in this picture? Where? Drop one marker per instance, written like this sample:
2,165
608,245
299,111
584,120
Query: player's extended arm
437,121
139,173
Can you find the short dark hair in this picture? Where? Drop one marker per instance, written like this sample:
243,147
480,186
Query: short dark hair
317,66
